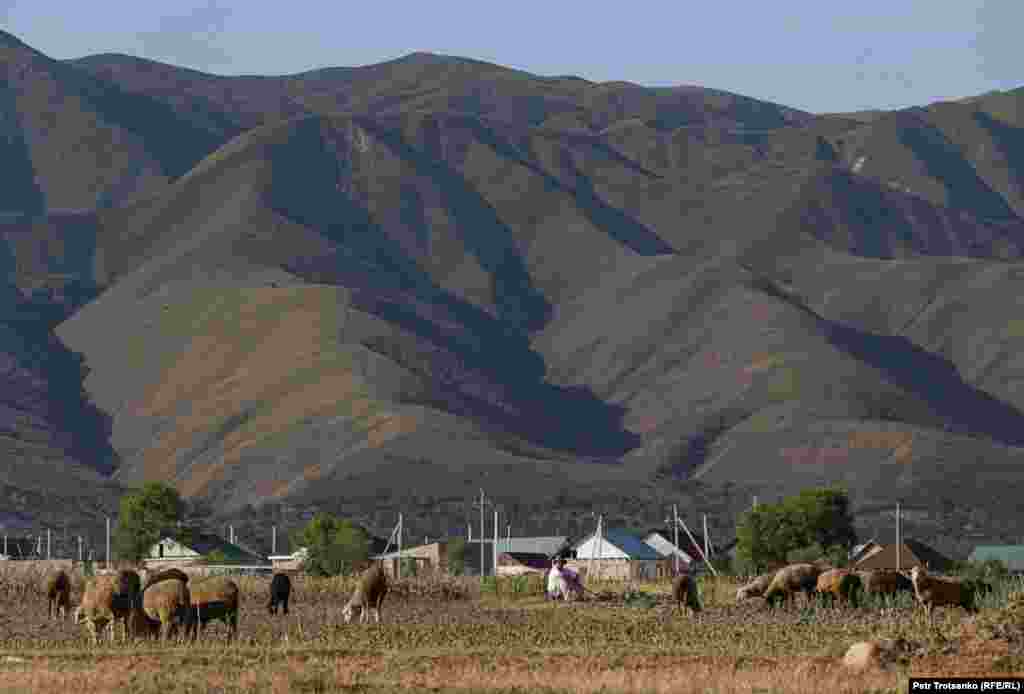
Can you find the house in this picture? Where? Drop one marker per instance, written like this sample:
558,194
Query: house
1011,555
912,553
546,545
615,554
203,550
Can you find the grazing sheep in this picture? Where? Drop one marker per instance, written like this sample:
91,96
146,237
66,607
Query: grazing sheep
369,595
280,590
790,580
213,598
684,590
932,591
58,595
167,602
755,588
884,582
96,607
839,585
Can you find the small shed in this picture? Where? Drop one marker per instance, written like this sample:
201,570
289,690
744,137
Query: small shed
616,554
1010,555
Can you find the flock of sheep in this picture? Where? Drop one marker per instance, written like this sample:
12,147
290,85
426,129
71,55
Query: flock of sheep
845,585
168,602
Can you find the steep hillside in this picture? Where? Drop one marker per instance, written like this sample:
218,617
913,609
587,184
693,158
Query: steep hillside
381,287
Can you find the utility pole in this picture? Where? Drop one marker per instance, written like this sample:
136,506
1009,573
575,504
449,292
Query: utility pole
707,548
108,543
482,534
399,538
79,548
675,534
697,546
755,501
49,545
495,553
273,539
899,539
600,534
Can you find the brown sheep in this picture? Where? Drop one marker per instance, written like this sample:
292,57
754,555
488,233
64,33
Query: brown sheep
167,602
58,594
884,582
932,591
369,595
214,598
839,585
96,607
755,588
164,575
684,590
790,580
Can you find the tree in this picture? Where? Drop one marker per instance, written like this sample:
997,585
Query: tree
456,554
336,546
145,514
814,524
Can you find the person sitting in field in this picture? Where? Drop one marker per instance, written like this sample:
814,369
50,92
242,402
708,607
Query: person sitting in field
563,582
556,580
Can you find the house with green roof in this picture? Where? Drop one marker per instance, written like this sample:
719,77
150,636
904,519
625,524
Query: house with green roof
203,550
1011,555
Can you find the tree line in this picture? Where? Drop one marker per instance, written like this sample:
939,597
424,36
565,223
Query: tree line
814,524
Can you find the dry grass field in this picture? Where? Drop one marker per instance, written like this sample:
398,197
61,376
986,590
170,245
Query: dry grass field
456,635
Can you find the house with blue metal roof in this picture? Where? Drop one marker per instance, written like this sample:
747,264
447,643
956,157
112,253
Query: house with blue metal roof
615,554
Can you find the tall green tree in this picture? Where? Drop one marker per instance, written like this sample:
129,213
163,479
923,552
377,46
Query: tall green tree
144,515
335,545
814,522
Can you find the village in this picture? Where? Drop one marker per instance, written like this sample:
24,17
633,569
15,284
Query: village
607,554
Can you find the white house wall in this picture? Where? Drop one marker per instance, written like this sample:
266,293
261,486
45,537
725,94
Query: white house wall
590,550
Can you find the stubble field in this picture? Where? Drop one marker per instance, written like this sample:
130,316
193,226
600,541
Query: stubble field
452,635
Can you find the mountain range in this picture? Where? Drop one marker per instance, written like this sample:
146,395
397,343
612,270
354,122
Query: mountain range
380,288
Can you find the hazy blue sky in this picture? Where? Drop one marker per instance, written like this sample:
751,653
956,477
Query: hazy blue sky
817,55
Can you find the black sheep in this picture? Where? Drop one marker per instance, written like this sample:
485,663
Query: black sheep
280,589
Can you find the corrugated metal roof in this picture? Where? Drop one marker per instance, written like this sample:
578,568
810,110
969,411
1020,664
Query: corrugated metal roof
547,545
1011,555
624,541
665,548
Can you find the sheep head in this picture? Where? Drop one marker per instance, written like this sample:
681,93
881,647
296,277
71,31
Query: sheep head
349,611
